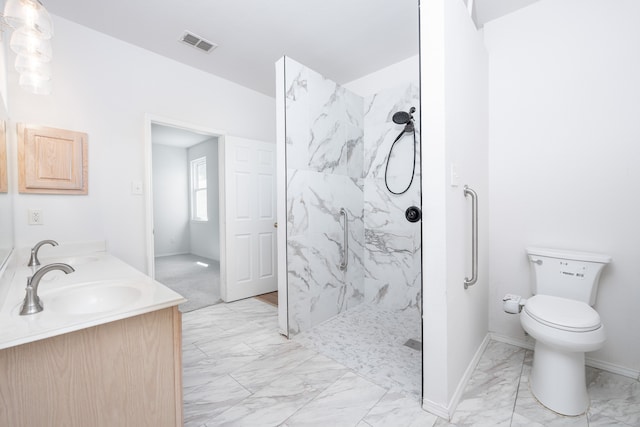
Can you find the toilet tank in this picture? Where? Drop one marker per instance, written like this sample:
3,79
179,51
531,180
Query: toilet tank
566,274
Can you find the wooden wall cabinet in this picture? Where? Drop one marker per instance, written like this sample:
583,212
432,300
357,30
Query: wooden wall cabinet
52,161
123,373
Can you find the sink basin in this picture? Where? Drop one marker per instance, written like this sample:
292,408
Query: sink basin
91,298
74,261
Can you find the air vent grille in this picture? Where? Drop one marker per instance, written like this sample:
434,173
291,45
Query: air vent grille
197,42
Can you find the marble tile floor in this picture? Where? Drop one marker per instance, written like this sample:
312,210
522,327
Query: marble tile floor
498,394
238,371
369,340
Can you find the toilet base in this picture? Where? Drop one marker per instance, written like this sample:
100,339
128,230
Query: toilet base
558,380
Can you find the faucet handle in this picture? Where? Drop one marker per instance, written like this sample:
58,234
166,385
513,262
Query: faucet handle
33,260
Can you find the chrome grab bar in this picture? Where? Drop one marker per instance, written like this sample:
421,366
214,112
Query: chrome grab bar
345,246
474,237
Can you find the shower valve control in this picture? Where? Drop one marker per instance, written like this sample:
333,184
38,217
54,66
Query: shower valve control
413,214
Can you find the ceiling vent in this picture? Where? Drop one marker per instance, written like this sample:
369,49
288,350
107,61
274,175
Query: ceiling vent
197,42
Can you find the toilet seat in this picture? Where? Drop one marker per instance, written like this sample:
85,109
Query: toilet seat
562,313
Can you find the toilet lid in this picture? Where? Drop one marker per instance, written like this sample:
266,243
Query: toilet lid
563,313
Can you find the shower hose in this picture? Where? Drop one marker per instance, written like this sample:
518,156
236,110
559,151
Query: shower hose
413,171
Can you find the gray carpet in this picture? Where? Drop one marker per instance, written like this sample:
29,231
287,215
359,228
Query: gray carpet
197,283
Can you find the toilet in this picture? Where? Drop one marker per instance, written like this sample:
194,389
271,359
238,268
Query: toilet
564,325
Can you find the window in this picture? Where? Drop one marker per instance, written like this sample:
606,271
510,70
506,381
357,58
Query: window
199,189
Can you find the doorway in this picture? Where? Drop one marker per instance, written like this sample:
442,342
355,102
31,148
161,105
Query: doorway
245,211
186,230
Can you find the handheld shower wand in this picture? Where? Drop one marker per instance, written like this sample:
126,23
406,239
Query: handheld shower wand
406,119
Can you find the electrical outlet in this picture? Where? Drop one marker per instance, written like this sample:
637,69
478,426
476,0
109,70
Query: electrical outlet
35,217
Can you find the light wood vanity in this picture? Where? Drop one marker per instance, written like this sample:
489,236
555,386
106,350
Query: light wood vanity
121,369
123,373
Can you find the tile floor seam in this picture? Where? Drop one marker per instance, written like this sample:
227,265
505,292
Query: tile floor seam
319,392
243,387
263,353
363,375
376,404
288,370
515,401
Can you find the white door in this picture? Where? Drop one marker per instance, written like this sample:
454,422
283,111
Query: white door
249,218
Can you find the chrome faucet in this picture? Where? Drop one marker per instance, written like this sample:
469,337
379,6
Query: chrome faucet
33,261
32,303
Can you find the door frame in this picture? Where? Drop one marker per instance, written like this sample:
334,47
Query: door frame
150,119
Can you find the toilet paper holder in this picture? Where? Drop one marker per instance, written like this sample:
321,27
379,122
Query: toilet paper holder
513,303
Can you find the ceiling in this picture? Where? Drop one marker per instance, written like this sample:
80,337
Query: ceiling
341,39
176,137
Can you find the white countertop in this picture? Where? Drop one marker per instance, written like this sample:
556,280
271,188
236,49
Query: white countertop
93,270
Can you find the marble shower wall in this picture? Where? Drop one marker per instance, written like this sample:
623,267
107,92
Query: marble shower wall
392,244
337,144
324,151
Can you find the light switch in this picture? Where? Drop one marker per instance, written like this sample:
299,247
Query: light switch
455,178
136,187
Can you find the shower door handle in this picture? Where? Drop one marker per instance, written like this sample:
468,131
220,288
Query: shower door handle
474,237
345,246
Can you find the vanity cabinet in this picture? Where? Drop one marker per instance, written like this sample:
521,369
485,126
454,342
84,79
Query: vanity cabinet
123,373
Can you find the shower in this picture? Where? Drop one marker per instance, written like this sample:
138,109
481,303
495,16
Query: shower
353,256
406,119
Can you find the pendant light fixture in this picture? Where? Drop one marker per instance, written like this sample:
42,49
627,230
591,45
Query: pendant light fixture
31,41
30,14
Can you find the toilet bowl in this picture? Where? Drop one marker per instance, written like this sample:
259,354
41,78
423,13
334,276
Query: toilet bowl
564,325
564,330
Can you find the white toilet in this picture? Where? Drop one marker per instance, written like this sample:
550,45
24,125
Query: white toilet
560,318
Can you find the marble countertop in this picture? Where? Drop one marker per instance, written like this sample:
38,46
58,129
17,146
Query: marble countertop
94,269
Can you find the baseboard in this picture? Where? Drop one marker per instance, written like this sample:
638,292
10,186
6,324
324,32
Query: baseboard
613,368
171,254
462,384
446,412
594,363
436,409
510,340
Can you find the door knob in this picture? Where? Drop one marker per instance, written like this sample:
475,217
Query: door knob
275,225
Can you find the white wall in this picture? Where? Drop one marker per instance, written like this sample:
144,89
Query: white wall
467,127
4,43
104,87
564,151
170,200
455,131
394,76
205,236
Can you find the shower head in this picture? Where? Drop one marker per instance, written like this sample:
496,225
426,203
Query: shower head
402,117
